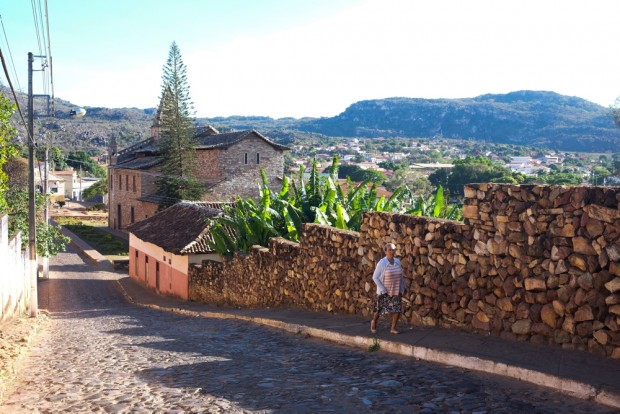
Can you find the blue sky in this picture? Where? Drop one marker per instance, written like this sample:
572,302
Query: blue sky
314,58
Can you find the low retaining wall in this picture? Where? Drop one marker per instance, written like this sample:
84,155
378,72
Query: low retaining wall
534,263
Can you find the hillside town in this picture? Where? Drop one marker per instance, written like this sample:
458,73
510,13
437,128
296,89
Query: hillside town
421,254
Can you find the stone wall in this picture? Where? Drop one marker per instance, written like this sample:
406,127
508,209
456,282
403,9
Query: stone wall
209,164
535,263
241,179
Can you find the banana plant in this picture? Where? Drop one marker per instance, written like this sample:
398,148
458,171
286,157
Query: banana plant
319,199
436,206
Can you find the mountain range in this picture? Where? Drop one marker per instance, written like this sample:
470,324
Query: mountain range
532,118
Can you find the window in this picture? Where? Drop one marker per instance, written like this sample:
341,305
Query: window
257,158
246,158
134,183
111,181
136,265
146,268
120,182
133,217
119,216
127,182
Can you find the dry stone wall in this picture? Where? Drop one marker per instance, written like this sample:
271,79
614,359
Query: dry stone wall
532,263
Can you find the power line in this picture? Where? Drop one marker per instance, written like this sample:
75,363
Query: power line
37,15
36,23
6,39
8,78
49,53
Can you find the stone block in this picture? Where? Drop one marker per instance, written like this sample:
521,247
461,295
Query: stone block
613,285
583,246
584,313
548,315
470,211
532,284
521,327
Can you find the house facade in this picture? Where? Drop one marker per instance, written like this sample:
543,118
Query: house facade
71,183
163,246
229,167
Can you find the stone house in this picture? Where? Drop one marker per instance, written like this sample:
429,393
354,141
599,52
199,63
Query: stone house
162,247
229,166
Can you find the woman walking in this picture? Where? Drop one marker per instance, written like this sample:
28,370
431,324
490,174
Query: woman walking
388,277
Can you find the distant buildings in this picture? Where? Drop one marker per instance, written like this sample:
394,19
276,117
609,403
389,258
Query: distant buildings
229,167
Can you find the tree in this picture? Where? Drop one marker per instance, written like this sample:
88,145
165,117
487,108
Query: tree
58,159
7,149
100,188
50,241
615,112
82,161
616,163
356,173
472,170
398,179
180,163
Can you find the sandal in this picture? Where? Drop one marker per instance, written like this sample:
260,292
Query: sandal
373,326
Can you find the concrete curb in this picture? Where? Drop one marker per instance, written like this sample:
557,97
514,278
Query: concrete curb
566,386
91,254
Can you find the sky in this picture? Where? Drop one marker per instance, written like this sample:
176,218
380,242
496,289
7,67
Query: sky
314,58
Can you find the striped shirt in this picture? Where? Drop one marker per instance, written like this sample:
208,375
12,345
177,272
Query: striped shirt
391,279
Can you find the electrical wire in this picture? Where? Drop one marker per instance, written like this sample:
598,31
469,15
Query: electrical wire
6,39
37,15
19,110
36,25
49,53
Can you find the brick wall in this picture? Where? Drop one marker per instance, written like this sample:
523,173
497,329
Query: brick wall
532,263
127,187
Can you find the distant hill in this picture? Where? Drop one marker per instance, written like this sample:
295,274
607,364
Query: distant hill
92,133
530,118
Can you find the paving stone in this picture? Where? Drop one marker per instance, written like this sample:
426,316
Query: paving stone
99,353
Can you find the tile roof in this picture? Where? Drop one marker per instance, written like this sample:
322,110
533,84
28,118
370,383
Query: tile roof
140,163
230,138
182,228
206,138
129,152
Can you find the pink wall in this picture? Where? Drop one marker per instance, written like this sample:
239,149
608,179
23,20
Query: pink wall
168,269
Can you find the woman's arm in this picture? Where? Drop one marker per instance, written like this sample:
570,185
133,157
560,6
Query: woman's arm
377,277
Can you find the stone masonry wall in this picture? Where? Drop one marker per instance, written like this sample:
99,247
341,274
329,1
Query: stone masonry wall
532,263
126,195
209,164
241,179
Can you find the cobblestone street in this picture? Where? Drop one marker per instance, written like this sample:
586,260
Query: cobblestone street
99,353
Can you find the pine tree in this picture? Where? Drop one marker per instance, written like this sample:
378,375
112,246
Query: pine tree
177,145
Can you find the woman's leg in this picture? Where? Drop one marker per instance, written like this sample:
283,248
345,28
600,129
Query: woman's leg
373,322
395,317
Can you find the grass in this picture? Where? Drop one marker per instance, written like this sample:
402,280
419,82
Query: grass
102,241
375,346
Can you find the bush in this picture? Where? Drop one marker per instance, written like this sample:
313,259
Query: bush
97,207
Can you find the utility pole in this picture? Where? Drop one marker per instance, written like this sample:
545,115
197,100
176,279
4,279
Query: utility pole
32,232
46,219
